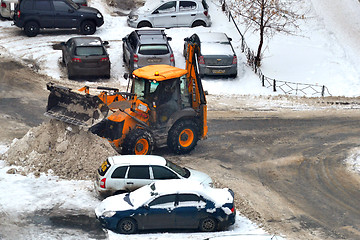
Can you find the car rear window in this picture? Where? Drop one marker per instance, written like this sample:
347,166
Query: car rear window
158,49
89,51
104,167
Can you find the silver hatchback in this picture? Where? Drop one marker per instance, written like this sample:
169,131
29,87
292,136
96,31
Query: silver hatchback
145,47
217,56
171,13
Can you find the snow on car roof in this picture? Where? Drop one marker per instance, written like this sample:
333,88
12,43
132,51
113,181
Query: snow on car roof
137,160
208,48
87,41
212,37
219,196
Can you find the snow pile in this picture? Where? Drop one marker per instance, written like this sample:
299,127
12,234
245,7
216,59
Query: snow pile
353,160
55,147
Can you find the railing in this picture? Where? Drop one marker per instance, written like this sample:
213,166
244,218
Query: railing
286,87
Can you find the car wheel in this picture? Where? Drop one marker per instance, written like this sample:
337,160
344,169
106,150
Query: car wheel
198,24
183,136
138,142
207,225
87,28
31,29
127,226
144,24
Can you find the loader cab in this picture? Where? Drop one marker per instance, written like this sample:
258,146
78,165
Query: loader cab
164,97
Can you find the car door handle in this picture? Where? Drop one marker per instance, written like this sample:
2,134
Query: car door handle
173,16
193,15
129,183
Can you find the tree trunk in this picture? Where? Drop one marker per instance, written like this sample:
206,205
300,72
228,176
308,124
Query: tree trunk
258,55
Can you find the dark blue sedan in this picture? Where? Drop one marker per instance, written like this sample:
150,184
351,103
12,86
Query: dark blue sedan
169,204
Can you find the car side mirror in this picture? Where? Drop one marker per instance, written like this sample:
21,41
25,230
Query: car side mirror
169,38
230,39
106,43
70,10
146,206
156,12
124,39
186,39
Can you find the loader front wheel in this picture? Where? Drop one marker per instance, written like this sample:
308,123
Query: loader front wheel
183,136
138,142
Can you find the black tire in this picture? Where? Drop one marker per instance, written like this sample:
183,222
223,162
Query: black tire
198,24
87,28
70,75
138,142
208,224
31,29
63,58
183,136
127,226
144,24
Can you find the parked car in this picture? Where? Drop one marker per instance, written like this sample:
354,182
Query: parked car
119,174
217,56
7,8
144,47
86,56
170,204
170,13
33,15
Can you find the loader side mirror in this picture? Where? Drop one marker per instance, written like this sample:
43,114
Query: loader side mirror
126,75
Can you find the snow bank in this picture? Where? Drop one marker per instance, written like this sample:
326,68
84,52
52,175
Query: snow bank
55,147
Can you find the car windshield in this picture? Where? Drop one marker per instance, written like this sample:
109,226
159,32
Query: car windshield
181,171
142,195
89,51
154,49
71,3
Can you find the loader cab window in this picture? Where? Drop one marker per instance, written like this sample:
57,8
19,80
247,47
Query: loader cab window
144,89
184,93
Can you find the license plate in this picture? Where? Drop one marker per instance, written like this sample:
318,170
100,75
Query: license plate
154,60
218,71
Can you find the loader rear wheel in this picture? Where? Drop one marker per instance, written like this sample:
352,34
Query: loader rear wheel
138,142
183,136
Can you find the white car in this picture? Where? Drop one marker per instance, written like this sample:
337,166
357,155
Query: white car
170,13
7,8
124,173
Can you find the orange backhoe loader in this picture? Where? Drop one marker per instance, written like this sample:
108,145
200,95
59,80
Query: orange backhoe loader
165,106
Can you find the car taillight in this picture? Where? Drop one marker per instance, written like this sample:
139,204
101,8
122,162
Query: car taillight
171,57
205,12
102,183
201,60
233,209
234,60
104,59
18,14
84,4
76,59
3,5
136,58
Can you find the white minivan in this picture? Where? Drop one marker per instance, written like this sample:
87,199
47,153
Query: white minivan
170,13
124,173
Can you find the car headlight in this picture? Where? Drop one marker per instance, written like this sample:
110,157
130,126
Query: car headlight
134,17
98,15
109,214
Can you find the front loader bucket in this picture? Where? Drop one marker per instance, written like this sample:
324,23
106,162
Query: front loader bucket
74,108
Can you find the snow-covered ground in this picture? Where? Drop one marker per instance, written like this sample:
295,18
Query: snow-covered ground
325,52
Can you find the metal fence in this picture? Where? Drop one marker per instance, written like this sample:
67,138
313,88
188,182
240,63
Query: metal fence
313,90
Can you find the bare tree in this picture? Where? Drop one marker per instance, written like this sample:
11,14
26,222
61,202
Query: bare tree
267,17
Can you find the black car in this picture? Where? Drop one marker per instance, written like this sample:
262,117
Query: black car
144,47
33,15
86,56
169,204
